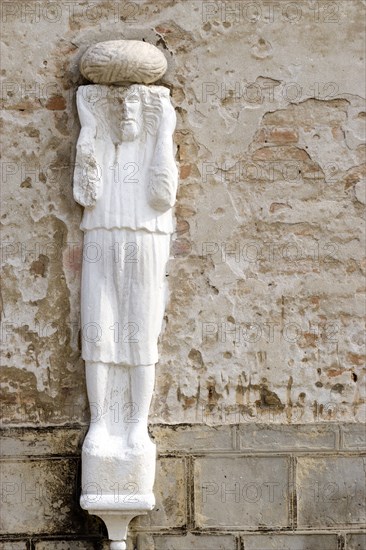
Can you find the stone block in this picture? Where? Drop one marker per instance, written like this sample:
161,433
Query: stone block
14,545
40,496
65,545
186,542
106,545
77,545
356,541
287,438
190,439
354,436
36,442
170,494
330,491
290,542
245,492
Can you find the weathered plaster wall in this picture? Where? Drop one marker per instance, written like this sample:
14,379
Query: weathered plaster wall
264,321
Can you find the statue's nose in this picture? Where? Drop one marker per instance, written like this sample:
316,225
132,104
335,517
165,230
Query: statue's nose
125,105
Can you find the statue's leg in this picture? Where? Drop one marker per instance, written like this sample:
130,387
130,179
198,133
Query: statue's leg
97,387
133,410
142,387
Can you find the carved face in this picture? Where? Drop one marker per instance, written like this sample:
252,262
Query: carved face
132,121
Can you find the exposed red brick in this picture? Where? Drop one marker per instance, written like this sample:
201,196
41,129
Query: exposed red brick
335,372
281,153
356,359
185,171
283,135
163,30
182,226
181,247
56,103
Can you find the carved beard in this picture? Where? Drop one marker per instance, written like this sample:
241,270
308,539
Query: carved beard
130,130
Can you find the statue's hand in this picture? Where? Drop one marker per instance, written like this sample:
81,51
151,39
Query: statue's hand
162,188
87,180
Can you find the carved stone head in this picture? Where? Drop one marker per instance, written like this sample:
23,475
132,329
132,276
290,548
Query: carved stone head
135,112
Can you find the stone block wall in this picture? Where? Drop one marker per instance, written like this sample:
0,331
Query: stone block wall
260,392
230,487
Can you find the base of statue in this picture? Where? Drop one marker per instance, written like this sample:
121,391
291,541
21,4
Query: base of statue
118,487
117,521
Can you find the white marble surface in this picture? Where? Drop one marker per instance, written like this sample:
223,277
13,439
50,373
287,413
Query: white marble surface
126,178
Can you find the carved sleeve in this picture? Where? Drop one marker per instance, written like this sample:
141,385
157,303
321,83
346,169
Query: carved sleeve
163,179
87,174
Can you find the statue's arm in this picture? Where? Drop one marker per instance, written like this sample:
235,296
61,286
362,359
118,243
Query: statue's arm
87,176
163,181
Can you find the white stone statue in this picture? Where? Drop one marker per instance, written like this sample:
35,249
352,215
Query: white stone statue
126,178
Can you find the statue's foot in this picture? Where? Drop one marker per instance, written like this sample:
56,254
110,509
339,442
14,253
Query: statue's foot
99,443
96,443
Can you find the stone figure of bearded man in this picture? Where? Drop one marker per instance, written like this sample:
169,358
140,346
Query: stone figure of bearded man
126,178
